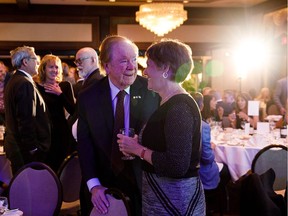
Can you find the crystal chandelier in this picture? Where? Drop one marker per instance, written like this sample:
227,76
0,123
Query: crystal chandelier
161,18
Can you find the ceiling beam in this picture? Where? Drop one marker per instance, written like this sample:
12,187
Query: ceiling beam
23,4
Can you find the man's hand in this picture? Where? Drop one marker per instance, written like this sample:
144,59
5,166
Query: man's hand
99,199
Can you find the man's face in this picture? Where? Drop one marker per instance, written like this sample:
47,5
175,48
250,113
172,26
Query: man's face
32,64
228,98
84,63
122,68
2,72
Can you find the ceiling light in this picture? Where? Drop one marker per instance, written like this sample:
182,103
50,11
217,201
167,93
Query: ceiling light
161,18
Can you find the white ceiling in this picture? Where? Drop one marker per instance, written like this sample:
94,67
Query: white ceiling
191,3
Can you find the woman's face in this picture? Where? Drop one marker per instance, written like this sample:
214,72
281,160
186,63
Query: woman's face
51,70
154,75
213,103
241,103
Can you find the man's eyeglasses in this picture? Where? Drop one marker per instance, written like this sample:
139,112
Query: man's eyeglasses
34,58
80,60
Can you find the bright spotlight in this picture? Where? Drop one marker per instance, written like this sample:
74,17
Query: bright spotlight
251,54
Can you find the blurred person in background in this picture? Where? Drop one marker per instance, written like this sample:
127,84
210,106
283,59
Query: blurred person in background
264,97
66,74
242,112
27,134
58,97
3,73
88,73
214,176
280,95
209,108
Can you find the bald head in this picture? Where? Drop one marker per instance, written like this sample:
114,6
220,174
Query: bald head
86,61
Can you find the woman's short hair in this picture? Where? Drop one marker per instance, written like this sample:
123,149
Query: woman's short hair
172,53
45,60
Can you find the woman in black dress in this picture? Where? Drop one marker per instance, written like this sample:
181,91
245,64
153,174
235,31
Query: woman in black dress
59,100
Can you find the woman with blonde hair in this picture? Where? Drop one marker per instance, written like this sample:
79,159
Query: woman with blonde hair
58,97
264,97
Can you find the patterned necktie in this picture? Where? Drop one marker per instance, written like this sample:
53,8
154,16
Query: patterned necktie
117,163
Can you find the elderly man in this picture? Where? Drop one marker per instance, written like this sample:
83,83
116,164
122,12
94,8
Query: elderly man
99,154
27,135
88,68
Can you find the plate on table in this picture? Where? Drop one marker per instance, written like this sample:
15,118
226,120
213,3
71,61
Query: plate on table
234,143
245,137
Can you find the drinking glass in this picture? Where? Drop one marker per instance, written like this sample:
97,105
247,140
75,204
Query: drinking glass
3,205
128,132
272,125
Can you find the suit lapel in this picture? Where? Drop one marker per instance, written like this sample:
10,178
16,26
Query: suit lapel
107,108
136,100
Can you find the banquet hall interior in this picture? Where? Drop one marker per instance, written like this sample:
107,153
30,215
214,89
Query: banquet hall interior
238,45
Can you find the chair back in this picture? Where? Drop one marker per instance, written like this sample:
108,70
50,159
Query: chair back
70,177
275,157
35,189
119,204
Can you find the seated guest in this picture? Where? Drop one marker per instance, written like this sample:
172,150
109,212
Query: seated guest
264,97
228,104
209,108
242,112
210,172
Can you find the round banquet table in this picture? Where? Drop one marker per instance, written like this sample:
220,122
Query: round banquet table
237,151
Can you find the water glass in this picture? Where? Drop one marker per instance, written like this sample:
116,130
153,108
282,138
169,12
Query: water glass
131,133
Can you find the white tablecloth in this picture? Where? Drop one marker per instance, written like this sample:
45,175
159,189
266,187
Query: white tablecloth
237,150
237,158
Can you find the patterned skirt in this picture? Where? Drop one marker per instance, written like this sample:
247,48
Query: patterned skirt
168,196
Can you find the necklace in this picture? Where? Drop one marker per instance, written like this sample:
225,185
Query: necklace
177,91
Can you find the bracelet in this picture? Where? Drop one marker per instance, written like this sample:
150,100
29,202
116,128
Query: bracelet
143,153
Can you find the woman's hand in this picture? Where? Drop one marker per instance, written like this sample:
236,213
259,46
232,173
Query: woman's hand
243,116
129,145
53,88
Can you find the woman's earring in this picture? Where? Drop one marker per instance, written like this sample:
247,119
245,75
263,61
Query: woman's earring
165,75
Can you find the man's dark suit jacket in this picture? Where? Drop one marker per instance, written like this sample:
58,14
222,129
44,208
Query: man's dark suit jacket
92,78
95,127
27,123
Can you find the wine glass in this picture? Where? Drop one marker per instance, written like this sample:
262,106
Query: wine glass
243,124
272,125
131,133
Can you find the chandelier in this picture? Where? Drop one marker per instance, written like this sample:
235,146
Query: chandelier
161,18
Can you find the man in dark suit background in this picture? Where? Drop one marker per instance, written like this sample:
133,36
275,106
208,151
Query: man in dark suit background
87,64
118,57
27,135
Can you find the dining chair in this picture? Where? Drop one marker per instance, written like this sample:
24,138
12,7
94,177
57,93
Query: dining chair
119,204
35,189
70,177
275,157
